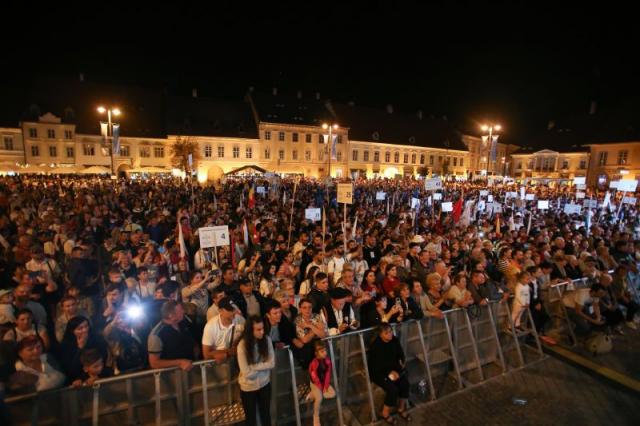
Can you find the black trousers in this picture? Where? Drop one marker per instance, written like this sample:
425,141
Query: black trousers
540,317
394,390
260,400
632,308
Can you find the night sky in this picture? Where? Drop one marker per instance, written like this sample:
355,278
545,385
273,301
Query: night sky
502,61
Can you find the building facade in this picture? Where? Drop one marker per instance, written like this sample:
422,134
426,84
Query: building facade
549,164
614,161
480,162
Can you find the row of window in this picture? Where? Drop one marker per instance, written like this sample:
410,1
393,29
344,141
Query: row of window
295,137
623,158
90,151
8,143
549,164
396,158
51,133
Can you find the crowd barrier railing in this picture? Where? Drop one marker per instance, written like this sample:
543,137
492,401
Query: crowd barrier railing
442,356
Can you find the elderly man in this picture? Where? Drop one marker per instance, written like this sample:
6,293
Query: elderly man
339,315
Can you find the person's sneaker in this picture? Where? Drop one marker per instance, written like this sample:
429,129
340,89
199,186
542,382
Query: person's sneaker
632,325
548,340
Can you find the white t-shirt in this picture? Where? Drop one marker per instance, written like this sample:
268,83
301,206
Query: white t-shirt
335,267
218,336
522,295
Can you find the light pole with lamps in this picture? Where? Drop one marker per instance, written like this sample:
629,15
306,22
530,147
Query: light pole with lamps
115,112
491,128
331,128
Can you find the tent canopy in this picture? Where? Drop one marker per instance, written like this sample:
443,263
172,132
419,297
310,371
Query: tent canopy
247,170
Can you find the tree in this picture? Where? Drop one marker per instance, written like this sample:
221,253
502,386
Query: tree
180,150
423,171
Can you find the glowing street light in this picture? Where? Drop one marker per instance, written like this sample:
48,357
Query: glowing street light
115,112
491,129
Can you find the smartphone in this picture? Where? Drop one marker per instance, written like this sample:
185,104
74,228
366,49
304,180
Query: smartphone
398,301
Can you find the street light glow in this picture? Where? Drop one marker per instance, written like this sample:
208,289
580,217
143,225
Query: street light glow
484,128
101,109
116,111
335,127
498,127
325,125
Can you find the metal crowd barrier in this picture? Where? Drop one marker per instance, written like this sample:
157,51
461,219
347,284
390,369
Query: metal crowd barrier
443,356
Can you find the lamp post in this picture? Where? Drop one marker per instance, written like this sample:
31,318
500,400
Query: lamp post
115,112
491,128
331,128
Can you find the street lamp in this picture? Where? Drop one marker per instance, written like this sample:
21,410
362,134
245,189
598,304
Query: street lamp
331,128
491,129
115,112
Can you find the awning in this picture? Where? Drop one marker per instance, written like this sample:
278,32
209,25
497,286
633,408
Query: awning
150,169
247,170
95,170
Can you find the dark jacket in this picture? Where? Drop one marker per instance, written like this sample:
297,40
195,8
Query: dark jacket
319,299
384,358
239,299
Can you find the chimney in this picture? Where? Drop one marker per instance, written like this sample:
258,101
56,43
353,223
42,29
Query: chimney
81,77
299,94
593,108
274,91
551,124
390,108
419,114
317,96
194,93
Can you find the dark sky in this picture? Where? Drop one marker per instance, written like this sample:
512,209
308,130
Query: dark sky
506,61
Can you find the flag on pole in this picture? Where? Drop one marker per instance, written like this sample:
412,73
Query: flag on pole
465,219
183,246
588,221
104,131
494,147
529,224
497,223
457,211
245,232
512,223
116,139
334,150
355,225
251,199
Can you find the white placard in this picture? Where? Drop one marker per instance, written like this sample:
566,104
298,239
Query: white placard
581,187
543,204
490,198
381,196
530,197
572,208
484,193
214,236
522,192
627,185
437,196
261,190
433,184
580,180
613,184
590,204
345,193
497,208
207,237
512,194
481,205
629,200
447,206
314,214
415,202
579,195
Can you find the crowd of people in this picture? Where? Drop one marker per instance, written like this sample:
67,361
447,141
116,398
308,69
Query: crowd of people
102,277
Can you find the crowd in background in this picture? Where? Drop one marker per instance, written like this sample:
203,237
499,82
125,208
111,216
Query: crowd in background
102,277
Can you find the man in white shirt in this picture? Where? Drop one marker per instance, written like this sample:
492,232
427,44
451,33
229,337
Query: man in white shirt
334,268
583,308
223,332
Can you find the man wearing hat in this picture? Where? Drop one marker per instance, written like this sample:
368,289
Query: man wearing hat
249,301
222,333
338,315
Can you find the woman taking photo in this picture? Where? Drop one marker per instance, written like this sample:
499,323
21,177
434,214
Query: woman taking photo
386,369
256,359
376,312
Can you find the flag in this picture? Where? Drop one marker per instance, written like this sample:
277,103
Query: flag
245,232
116,139
104,131
588,221
512,223
494,146
251,199
465,219
484,141
529,224
334,153
457,211
183,246
355,225
497,223
284,197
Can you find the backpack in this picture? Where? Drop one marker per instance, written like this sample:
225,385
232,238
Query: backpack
599,343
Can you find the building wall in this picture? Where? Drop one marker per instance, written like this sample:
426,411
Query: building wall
11,147
550,164
611,161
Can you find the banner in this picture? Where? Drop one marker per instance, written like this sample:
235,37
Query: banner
447,206
314,214
345,193
381,196
543,204
629,200
494,147
627,185
572,208
116,138
580,195
581,180
214,236
433,184
530,197
437,196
